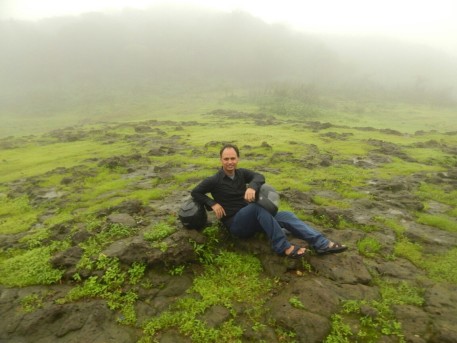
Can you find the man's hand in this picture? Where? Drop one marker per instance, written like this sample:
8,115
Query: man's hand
249,195
218,210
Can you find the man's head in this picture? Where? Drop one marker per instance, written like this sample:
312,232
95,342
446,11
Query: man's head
229,158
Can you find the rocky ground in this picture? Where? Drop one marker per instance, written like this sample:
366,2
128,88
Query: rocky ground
321,287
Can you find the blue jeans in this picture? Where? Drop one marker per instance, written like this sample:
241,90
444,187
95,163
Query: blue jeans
254,218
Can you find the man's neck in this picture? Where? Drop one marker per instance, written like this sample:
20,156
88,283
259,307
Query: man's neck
230,175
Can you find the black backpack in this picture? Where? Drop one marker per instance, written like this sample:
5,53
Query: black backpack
193,215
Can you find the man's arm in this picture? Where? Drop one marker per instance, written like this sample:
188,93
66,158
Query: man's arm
199,195
253,179
254,182
200,191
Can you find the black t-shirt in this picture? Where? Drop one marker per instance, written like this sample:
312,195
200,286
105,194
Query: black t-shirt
227,192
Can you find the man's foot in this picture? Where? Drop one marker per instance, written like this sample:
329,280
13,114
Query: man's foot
332,248
295,252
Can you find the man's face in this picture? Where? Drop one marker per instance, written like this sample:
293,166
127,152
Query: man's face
229,160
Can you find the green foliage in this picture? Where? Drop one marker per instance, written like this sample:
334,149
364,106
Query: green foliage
178,270
381,321
158,232
206,251
114,286
340,331
93,246
31,302
31,267
230,279
136,272
285,335
35,239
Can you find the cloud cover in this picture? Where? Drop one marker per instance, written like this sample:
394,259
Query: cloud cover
433,23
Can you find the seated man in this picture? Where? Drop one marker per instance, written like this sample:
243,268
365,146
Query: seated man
233,192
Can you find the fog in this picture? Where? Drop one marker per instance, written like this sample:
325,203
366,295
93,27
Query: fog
64,60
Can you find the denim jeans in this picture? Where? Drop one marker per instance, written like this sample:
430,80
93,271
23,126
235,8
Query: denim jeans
254,218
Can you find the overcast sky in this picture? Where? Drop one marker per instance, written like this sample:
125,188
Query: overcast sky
431,22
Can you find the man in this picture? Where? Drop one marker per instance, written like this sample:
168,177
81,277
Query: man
233,192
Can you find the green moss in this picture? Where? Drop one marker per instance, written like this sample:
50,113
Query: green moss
440,221
369,246
443,267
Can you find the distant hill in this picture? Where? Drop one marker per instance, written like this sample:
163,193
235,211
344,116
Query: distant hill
53,59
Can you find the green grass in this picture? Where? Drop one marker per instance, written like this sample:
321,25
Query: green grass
16,215
35,159
440,221
437,193
369,246
439,267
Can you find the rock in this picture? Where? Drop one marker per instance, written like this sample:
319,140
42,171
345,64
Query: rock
122,219
342,268
414,322
215,316
68,258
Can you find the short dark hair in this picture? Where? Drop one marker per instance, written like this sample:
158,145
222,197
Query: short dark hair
230,146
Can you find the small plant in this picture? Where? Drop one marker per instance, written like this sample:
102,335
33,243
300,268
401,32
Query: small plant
113,286
136,272
410,251
117,231
230,279
340,332
31,303
369,246
162,246
306,266
384,322
296,303
176,271
286,336
159,232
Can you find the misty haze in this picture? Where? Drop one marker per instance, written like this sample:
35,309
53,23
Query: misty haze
80,62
